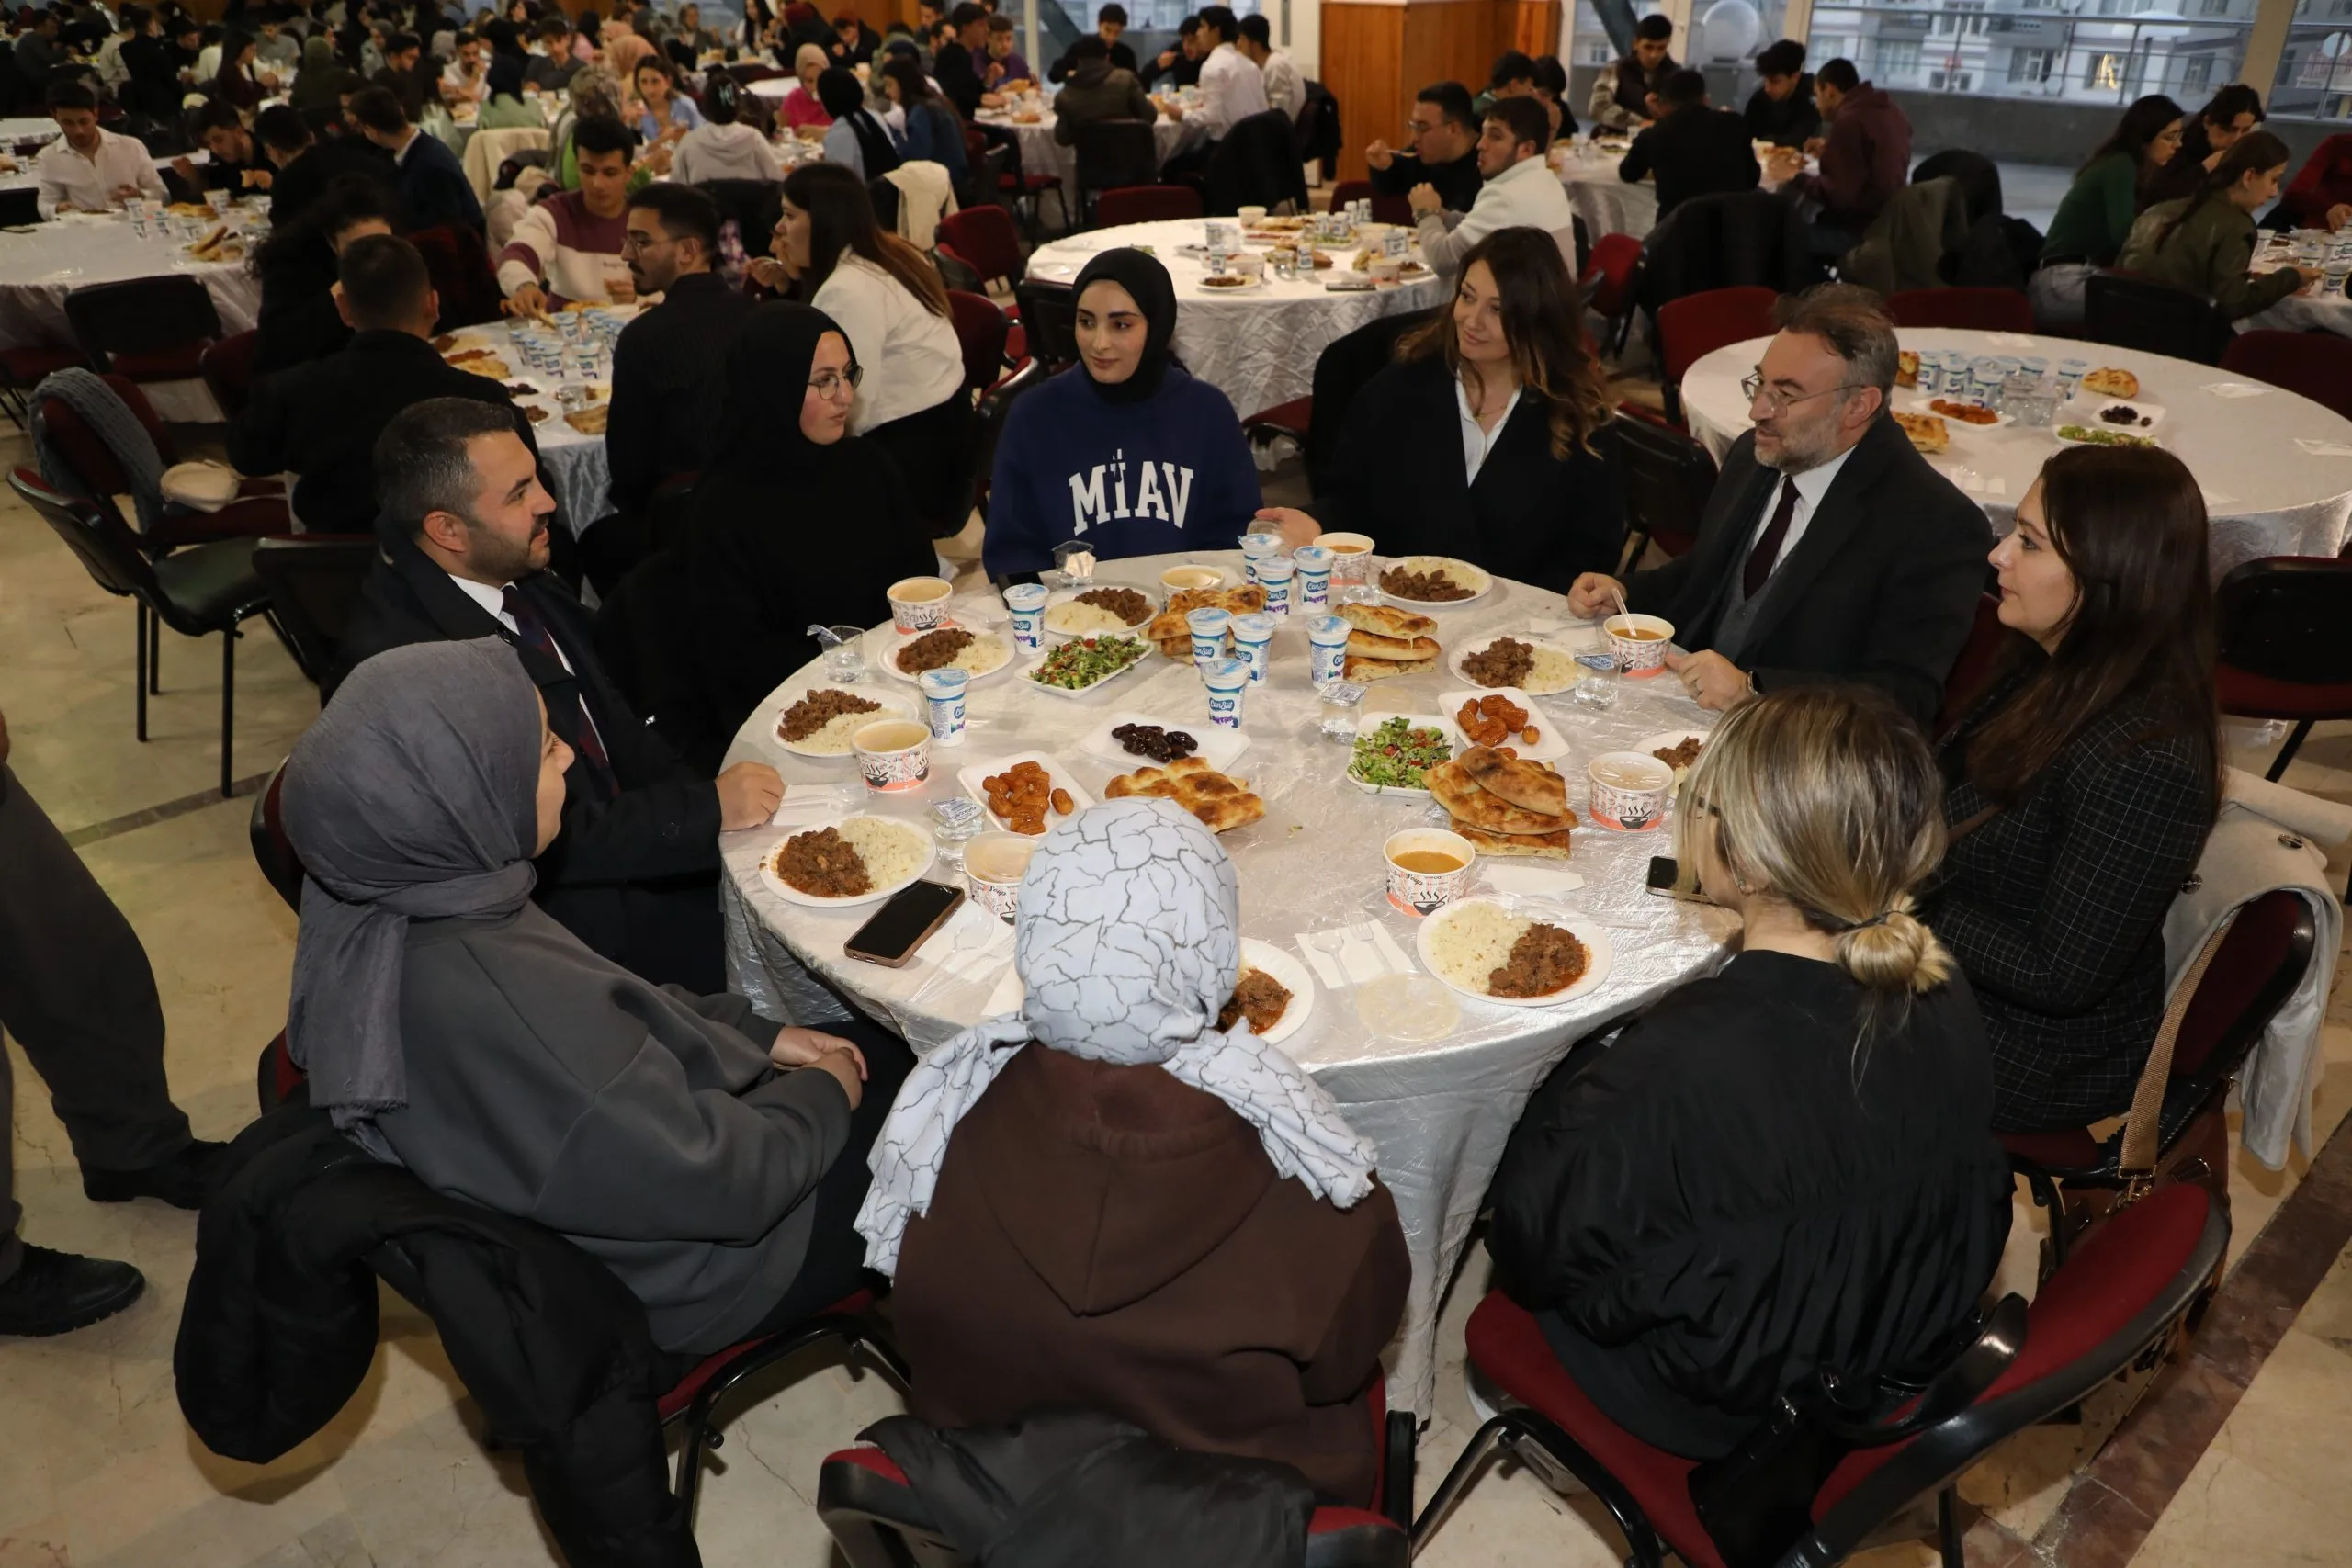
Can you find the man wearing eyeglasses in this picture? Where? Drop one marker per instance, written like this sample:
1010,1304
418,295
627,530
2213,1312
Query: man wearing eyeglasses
1830,549
1444,152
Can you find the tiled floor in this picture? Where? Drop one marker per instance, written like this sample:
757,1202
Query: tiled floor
97,1467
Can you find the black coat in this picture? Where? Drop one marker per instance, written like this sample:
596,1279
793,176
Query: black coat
1529,515
1732,1194
667,378
958,79
321,421
303,181
1457,184
634,874
279,1329
1693,151
1881,588
1122,59
1791,122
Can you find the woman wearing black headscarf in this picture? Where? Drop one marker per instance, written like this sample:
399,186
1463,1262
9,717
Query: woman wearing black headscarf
1129,451
856,139
797,522
449,1025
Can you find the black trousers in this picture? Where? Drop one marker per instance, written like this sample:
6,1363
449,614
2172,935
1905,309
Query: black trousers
77,994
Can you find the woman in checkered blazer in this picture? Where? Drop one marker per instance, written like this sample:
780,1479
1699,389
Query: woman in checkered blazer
2080,789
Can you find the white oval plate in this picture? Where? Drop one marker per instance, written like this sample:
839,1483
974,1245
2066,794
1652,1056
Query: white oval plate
889,661
1550,741
1219,748
1667,739
1252,287
1292,975
1920,405
1455,659
1476,579
1029,674
1065,595
1594,937
2138,437
1057,771
2091,407
791,895
894,706
1371,721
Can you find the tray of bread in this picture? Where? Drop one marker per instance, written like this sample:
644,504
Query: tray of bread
1505,803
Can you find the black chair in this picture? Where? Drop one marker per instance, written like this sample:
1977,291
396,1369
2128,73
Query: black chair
2125,310
149,329
2283,651
988,427
196,591
1113,153
1979,177
1254,163
313,580
1048,315
1668,476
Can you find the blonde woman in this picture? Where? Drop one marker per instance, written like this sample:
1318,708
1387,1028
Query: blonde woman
1788,1164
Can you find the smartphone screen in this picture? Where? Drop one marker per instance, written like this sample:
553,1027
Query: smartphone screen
903,924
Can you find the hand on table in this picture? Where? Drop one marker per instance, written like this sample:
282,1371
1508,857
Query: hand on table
1380,155
529,300
1424,200
1783,166
1296,526
259,180
2338,216
1717,684
1814,144
124,193
749,794
828,1054
1594,594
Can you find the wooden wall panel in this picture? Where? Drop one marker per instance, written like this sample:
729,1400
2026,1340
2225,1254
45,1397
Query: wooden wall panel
1531,26
1448,41
1364,65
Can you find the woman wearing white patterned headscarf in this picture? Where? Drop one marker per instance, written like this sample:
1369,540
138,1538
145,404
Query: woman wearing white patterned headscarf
1149,1216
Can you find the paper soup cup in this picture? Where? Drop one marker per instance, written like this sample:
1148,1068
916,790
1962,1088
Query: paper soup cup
1639,643
1178,578
1420,892
1630,790
1351,555
919,604
894,754
994,864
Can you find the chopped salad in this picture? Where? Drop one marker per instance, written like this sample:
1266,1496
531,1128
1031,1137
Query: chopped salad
1395,755
2091,436
1084,662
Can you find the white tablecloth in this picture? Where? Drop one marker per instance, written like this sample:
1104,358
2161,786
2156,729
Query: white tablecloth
575,464
1437,1113
2267,495
1257,345
41,129
1041,154
1606,204
2317,309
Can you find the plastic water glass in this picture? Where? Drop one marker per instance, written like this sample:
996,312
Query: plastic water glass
1596,687
2070,375
2028,400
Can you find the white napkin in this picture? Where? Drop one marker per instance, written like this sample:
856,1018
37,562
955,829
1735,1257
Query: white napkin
1368,953
1534,879
2215,499
2234,389
2318,448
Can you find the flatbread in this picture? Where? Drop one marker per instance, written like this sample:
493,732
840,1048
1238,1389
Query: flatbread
1388,620
1452,788
1536,846
2110,382
1221,804
1371,645
1927,430
1359,668
1531,786
1170,624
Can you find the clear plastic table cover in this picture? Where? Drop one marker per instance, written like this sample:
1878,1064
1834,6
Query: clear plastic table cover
1438,1110
2267,494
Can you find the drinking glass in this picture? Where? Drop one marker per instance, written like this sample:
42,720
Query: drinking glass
2028,400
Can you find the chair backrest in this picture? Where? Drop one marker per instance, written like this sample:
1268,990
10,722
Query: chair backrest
1609,274
984,236
91,461
460,265
314,581
141,316
1113,153
1977,309
2283,618
2117,1293
273,851
1255,161
106,547
980,330
2259,964
1696,326
2128,312
1668,478
1979,177
228,367
1049,318
2317,366
755,205
1146,204
1974,668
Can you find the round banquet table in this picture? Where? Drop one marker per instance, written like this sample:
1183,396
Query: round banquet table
2315,309
1439,1111
1041,154
2275,469
576,464
1256,345
1606,204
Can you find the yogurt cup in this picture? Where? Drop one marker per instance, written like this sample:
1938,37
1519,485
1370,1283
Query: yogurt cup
1420,892
1226,679
1256,547
1278,576
893,755
1208,627
994,864
918,603
1639,656
1327,649
1025,602
1311,590
1253,644
1630,790
942,696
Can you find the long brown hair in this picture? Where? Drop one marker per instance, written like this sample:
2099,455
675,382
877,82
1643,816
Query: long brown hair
841,217
2130,524
2250,154
1542,317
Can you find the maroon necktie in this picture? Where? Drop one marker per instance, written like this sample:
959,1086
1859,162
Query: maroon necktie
533,629
1767,547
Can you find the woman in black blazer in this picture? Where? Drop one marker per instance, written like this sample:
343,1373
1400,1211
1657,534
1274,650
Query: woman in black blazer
1505,374
2081,788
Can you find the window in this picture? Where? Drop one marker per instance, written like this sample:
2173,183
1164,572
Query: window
1898,61
2314,80
2103,71
2031,65
2222,7
1950,82
2197,73
2092,55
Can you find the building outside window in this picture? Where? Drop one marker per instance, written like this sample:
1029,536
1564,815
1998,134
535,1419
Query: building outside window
2314,80
2103,52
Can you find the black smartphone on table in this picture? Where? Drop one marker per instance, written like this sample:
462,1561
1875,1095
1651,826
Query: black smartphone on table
902,926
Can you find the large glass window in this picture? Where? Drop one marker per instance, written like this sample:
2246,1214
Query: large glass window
1720,40
2106,51
2314,79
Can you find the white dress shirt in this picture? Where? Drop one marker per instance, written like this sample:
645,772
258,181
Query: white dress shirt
1232,90
89,183
1477,443
1285,87
494,601
912,359
1811,485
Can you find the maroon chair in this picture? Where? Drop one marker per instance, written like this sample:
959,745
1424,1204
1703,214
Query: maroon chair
1694,326
1146,204
1293,419
22,369
1385,208
1974,666
987,241
2284,654
1668,478
2123,1289
148,329
1608,284
980,330
1977,309
97,478
458,263
2317,366
228,370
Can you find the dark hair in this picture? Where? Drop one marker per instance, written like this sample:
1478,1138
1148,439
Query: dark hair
1220,20
1512,66
2141,125
722,99
684,213
1657,29
913,87
999,22
1089,46
603,133
965,15
282,128
384,282
1113,11
2250,154
1188,27
841,217
840,91
1454,102
1551,76
2232,100
375,108
1255,29
1853,321
400,44
1524,119
1543,323
1838,73
555,25
1683,87
1785,57
2130,524
348,199
658,61
463,36
69,94
421,462
216,114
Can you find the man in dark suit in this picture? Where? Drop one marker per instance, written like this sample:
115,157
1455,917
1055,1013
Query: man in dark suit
306,166
1694,149
667,363
432,183
320,419
1830,550
634,873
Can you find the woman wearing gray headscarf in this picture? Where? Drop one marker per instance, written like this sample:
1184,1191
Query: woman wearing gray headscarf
1106,1202
712,1161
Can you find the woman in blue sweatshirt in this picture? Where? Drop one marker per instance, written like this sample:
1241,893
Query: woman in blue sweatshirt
1127,453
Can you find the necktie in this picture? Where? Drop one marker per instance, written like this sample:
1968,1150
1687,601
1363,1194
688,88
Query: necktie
1768,546
532,628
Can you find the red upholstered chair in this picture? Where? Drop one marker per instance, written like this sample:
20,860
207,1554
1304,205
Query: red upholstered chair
986,239
460,265
1980,309
980,330
1293,419
1146,204
1385,208
2316,364
1974,668
1694,326
21,371
1608,284
2284,653
228,369
149,329
1668,476
98,479
2128,1284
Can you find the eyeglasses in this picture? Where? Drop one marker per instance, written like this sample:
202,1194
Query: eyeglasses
830,384
632,245
1751,386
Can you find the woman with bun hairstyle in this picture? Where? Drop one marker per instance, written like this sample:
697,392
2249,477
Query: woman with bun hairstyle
2081,787
1788,1165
